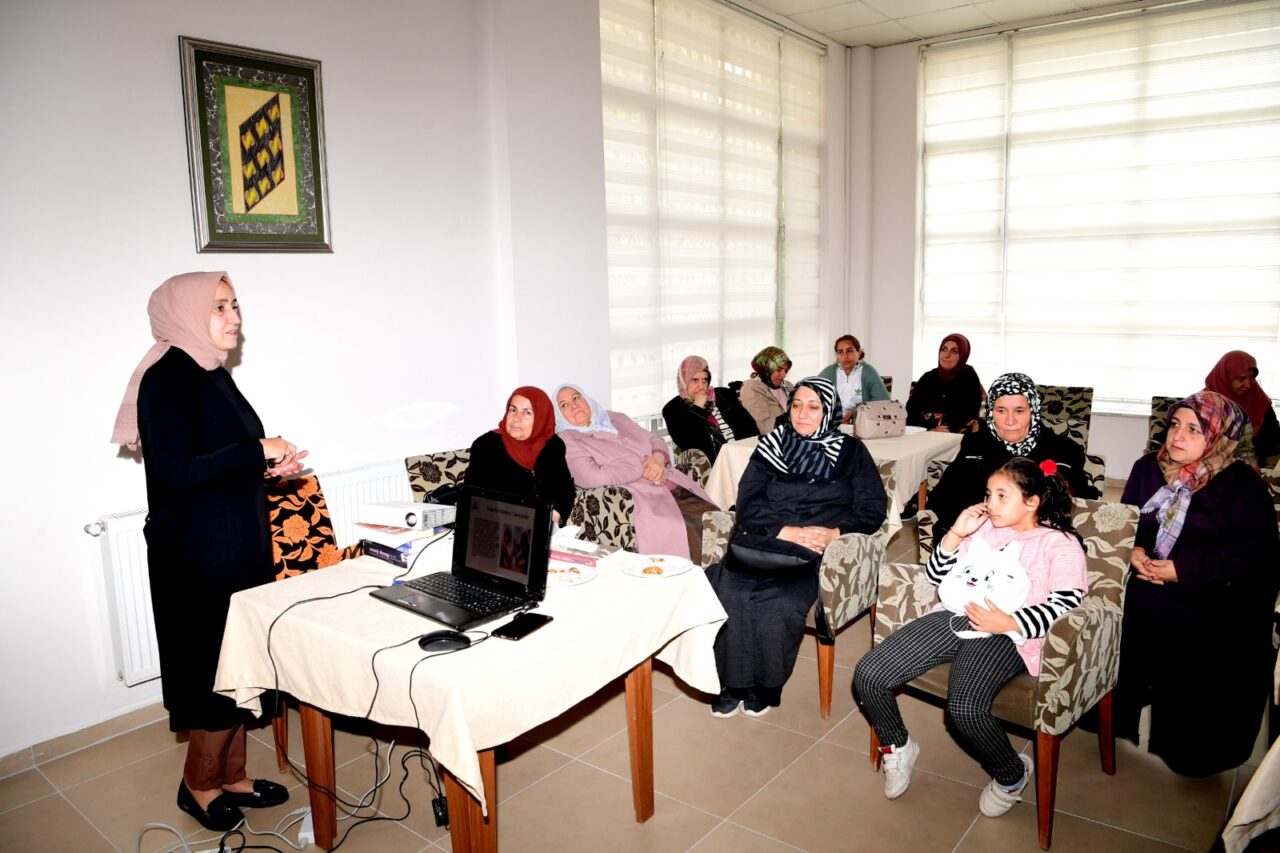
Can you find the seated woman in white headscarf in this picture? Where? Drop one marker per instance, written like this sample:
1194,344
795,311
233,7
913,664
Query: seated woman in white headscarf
609,449
806,484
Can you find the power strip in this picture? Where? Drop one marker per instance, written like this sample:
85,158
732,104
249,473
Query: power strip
306,831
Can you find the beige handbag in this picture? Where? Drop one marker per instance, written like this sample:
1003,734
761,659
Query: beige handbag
881,419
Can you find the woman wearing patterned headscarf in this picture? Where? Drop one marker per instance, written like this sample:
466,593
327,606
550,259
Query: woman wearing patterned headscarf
765,394
1235,377
1196,639
806,484
523,456
701,417
1012,428
948,397
609,449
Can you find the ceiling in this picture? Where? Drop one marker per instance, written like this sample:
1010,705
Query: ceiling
884,22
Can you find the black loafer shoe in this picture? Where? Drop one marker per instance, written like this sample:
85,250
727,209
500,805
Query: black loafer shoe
265,795
221,816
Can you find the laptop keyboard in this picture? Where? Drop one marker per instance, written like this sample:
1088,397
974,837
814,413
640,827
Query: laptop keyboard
448,588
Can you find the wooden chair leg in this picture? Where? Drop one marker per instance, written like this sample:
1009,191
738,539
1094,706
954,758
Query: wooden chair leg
875,750
1106,735
826,675
280,733
1046,783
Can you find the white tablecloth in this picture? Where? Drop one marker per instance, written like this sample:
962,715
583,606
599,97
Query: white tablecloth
477,698
912,453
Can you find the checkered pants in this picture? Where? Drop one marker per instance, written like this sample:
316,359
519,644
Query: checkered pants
979,668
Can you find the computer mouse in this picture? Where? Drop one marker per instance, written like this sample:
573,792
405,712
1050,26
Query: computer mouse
443,640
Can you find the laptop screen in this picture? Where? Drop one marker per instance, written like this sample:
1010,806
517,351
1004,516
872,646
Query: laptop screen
503,536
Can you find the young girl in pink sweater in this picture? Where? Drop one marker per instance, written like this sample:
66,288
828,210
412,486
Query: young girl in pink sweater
1027,503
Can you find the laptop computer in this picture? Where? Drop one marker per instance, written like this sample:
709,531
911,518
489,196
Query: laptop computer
501,544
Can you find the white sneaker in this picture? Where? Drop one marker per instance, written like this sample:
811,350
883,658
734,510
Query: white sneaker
995,800
898,762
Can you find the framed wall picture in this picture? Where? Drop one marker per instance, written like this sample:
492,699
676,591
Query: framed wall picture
255,138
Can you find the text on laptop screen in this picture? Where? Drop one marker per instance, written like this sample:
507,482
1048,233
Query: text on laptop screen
500,539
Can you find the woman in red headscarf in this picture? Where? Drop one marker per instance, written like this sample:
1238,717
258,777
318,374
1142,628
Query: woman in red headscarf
947,398
524,456
1235,377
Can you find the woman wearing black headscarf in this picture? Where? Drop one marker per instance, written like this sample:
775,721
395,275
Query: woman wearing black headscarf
1012,428
806,484
948,397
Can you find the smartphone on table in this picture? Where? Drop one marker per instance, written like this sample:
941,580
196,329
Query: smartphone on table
522,626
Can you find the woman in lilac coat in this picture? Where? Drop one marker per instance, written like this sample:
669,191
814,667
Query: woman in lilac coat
609,449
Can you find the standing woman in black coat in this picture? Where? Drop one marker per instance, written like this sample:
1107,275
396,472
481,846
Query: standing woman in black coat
701,417
206,457
806,484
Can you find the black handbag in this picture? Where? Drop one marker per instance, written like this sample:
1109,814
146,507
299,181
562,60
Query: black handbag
769,556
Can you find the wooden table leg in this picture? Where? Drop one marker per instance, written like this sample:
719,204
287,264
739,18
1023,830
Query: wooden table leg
317,745
640,737
922,496
469,830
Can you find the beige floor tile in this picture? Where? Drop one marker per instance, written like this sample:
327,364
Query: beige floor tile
118,803
23,788
731,838
580,808
825,802
1144,796
852,642
111,754
522,763
60,746
592,721
711,764
664,679
50,824
379,836
800,709
1017,831
17,762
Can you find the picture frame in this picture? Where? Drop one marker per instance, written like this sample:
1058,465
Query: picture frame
255,142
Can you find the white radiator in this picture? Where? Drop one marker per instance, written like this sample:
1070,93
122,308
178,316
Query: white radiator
345,491
124,559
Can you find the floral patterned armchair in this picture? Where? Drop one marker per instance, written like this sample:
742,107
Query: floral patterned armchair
1081,657
301,530
694,463
1060,405
302,540
847,580
1160,408
605,513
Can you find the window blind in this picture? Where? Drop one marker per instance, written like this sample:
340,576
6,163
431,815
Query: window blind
1102,200
713,139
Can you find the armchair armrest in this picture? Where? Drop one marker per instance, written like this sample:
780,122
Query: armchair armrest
716,527
1080,664
695,464
905,594
849,576
606,515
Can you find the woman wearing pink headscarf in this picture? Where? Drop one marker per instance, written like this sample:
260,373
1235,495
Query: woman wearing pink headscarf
1235,377
206,456
703,417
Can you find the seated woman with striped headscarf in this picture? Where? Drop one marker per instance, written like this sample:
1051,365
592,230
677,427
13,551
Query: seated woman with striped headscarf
806,484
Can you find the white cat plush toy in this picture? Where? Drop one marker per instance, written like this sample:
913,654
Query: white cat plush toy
986,573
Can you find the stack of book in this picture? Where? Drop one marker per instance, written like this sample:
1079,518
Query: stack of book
397,545
579,553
